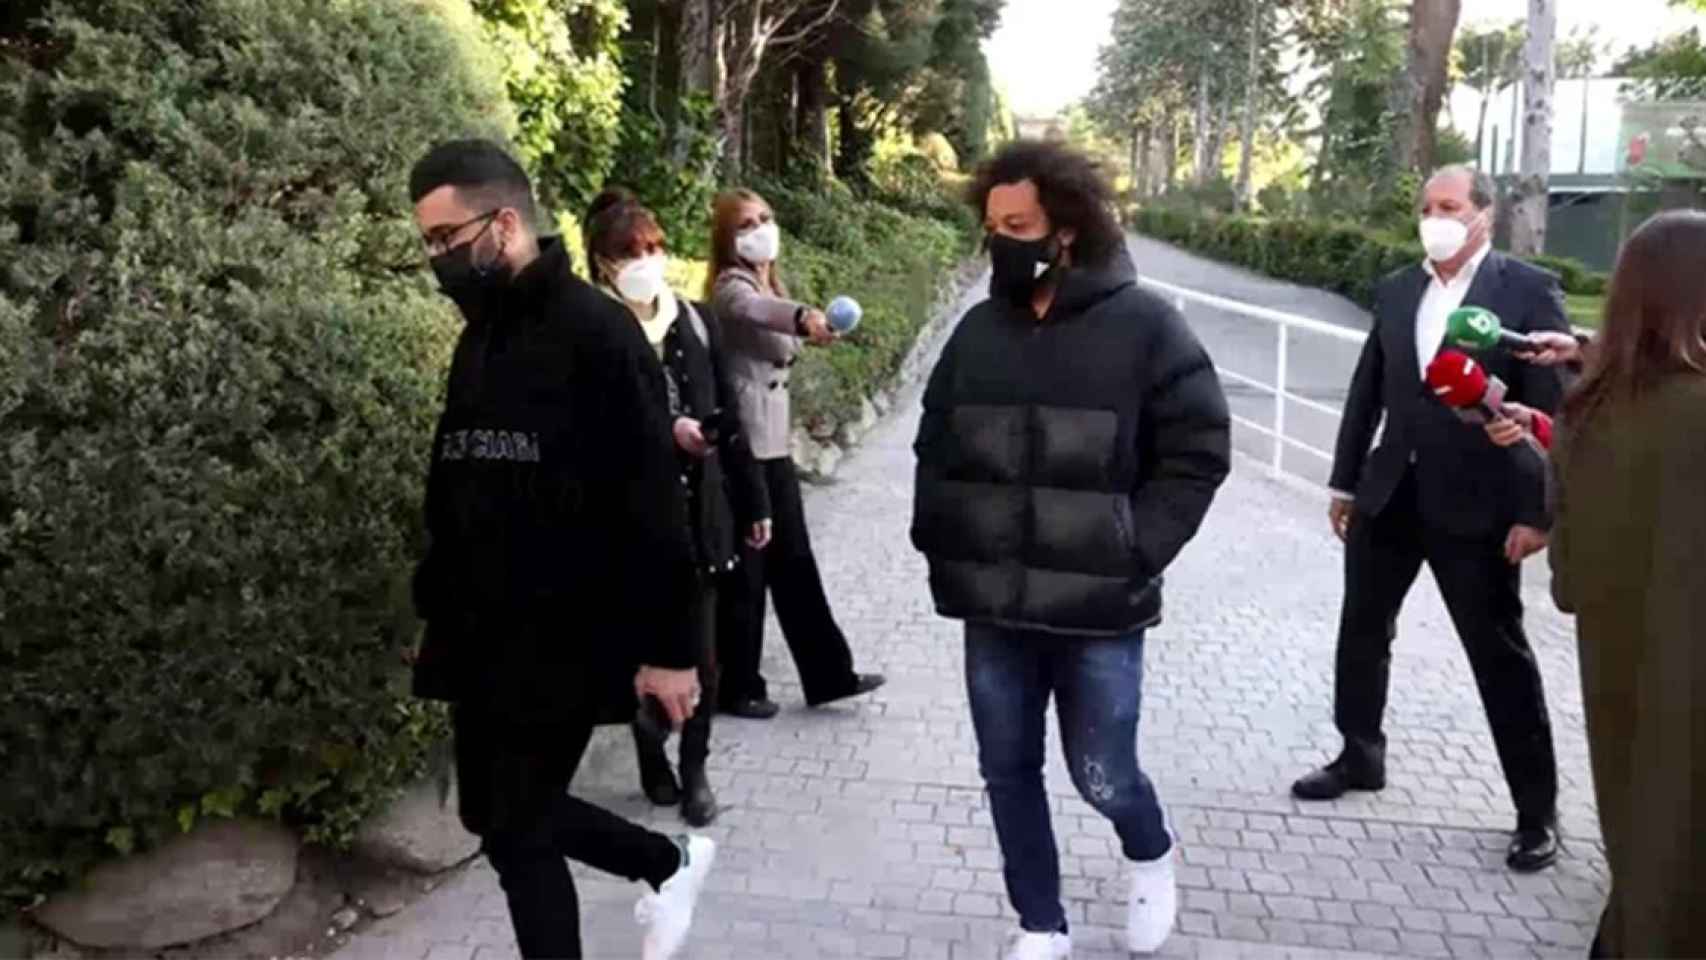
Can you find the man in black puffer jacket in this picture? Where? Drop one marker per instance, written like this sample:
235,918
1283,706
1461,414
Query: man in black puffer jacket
558,579
1074,434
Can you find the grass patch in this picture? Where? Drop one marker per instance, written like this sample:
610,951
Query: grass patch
1584,310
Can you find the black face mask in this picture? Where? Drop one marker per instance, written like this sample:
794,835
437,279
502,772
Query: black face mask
1015,267
468,284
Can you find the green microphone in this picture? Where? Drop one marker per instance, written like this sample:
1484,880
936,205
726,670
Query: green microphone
1477,328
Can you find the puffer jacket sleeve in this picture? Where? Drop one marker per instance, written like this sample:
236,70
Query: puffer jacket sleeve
927,447
1184,443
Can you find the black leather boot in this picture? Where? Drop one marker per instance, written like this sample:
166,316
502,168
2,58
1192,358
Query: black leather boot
656,778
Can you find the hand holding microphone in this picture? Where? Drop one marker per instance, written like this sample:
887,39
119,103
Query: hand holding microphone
1461,384
1550,348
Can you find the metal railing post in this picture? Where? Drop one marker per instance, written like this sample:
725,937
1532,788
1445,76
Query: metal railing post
1279,398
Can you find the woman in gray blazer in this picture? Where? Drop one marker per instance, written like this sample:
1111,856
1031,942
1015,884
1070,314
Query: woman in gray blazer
763,332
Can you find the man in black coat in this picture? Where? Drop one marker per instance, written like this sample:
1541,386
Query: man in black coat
558,577
1436,490
1074,434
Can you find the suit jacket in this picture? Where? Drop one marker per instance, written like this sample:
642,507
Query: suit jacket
1466,486
759,335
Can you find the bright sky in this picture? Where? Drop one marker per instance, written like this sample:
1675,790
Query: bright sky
1044,55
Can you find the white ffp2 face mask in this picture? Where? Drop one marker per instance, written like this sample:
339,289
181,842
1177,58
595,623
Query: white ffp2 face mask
640,281
1443,237
761,244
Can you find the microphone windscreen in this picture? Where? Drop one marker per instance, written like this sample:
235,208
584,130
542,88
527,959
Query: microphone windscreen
843,314
1457,379
1472,328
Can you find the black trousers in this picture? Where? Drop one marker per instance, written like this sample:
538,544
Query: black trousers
789,570
1483,594
696,732
513,781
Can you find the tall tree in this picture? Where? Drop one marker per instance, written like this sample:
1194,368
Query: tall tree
1491,60
1422,90
1252,83
1528,224
1358,46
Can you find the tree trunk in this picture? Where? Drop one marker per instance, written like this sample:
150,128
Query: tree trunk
1216,142
698,46
1528,223
1170,155
1199,145
1247,137
812,120
1481,133
1432,24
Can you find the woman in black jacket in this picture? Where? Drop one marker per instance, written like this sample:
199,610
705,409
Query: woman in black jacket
625,253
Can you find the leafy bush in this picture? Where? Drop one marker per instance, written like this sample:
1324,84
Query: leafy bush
673,177
1333,255
913,183
893,263
219,365
559,61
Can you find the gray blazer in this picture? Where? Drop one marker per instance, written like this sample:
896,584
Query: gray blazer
760,341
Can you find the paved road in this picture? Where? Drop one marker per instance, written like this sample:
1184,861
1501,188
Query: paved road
1319,367
862,831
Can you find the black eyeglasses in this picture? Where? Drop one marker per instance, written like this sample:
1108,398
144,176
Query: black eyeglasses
439,240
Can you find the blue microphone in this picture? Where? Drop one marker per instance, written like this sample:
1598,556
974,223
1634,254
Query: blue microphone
844,314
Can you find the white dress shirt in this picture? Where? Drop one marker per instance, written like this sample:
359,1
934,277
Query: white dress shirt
1438,300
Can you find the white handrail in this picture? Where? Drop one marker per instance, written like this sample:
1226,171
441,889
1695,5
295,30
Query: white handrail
1283,323
1261,313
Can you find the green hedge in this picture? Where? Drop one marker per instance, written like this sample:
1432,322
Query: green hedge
893,263
1341,257
219,364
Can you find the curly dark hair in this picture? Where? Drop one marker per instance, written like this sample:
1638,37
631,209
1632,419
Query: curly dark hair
1072,187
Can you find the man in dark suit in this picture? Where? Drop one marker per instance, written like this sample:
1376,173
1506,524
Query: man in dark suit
1435,490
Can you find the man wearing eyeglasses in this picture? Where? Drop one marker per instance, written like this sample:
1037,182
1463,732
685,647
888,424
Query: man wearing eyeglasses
557,583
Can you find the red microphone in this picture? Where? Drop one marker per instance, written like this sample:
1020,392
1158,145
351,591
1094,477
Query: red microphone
1464,386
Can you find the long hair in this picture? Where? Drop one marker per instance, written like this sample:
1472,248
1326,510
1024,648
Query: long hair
725,225
1073,189
1655,316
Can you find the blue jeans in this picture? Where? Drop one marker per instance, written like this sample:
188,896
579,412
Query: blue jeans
1096,683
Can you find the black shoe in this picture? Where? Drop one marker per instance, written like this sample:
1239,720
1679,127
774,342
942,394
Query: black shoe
698,803
1335,779
656,777
863,683
759,709
1533,847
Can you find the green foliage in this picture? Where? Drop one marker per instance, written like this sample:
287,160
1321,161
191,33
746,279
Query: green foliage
672,172
219,365
1451,146
893,263
1360,45
1671,68
914,67
1345,258
561,68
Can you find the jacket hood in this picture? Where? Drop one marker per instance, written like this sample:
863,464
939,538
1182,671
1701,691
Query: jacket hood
1082,288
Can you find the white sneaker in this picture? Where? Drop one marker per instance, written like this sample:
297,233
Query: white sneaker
1154,903
1040,946
668,914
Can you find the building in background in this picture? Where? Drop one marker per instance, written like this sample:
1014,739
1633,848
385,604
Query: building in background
1040,128
1616,159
